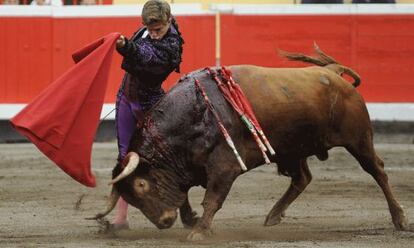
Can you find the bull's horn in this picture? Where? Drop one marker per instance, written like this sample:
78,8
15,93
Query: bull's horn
113,199
133,160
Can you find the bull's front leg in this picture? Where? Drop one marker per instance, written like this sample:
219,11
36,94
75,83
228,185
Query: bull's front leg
188,217
217,190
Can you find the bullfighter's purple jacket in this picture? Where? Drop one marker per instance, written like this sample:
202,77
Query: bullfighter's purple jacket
148,63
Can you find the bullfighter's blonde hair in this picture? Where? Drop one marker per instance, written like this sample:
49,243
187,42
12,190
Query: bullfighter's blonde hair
156,11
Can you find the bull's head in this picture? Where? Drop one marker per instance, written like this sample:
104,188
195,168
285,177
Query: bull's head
153,191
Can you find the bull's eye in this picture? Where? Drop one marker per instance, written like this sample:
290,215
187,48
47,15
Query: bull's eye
141,186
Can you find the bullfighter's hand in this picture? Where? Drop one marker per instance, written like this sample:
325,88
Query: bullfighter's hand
120,42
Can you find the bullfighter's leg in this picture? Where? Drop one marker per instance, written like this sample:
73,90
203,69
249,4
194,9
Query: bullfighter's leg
126,119
365,154
120,220
188,216
216,192
300,180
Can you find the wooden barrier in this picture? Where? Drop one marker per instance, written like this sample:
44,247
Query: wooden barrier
35,47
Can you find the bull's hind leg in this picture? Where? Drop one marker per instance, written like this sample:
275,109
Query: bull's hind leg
301,177
365,154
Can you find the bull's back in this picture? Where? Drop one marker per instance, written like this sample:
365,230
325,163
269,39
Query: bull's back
299,103
275,91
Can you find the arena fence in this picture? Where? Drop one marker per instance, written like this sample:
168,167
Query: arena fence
375,40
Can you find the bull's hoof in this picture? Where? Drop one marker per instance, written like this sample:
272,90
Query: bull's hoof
401,224
190,224
272,220
190,221
399,220
197,235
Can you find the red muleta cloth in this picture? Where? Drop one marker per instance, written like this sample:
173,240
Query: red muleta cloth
63,119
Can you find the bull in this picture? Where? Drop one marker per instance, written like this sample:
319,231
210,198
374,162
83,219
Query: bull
303,111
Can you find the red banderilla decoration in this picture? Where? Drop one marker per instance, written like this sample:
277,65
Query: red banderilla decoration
219,123
232,98
247,107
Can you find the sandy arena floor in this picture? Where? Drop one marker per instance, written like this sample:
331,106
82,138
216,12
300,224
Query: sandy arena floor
40,206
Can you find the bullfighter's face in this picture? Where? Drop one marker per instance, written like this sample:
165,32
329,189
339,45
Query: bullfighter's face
158,30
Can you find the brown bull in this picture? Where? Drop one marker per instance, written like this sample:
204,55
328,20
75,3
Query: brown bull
303,111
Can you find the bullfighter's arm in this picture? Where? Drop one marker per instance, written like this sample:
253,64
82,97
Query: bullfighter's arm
150,55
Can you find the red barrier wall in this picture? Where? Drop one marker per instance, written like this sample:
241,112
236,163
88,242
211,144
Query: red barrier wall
36,50
25,57
378,47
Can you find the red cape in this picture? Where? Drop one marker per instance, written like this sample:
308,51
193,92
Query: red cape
63,119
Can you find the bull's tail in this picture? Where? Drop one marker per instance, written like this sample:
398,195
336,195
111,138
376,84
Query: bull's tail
324,60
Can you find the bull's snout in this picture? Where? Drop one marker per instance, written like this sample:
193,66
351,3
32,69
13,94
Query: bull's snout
167,219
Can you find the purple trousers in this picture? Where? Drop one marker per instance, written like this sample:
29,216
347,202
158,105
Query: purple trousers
126,119
127,115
